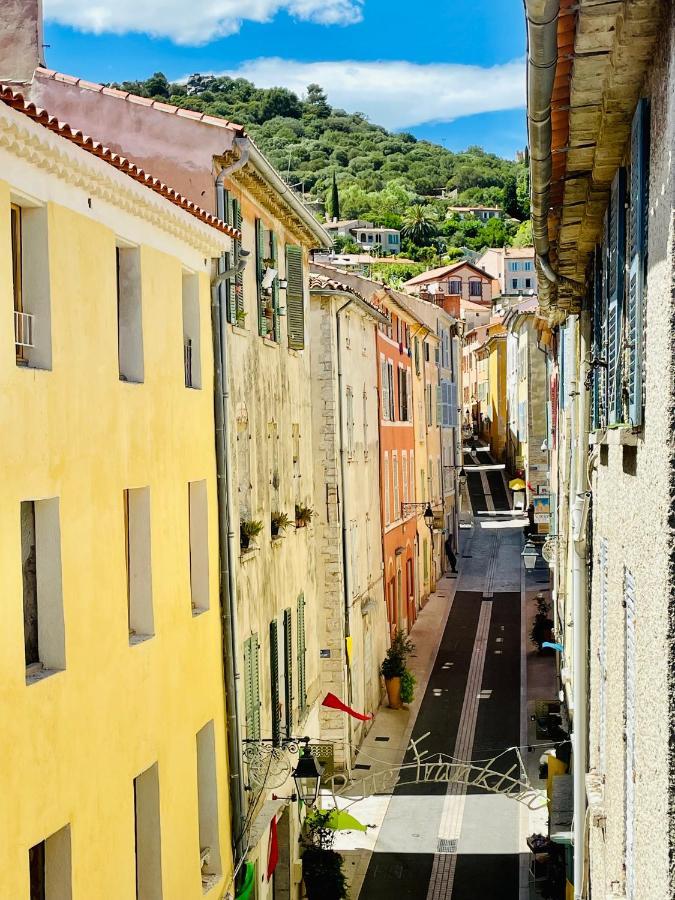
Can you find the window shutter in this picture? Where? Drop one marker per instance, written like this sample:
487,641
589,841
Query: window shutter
288,671
602,658
630,688
417,356
384,378
597,411
439,404
453,405
302,683
274,683
637,258
239,277
259,271
295,298
275,286
399,378
252,688
616,262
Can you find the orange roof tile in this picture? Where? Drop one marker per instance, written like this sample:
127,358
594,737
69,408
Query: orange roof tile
63,129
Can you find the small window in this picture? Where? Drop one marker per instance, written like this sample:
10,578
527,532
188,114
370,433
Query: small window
199,546
475,289
50,867
207,797
30,286
455,286
191,336
514,283
43,622
129,314
140,619
528,282
527,265
147,835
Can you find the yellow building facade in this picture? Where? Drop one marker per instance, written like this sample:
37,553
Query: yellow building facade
113,769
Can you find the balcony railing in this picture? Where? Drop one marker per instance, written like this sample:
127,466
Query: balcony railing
23,329
187,362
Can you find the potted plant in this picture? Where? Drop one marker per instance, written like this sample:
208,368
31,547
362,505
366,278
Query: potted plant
278,522
394,666
303,515
322,866
248,529
542,626
407,686
240,317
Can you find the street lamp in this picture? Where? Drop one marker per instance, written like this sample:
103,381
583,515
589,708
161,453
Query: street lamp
429,517
307,777
529,555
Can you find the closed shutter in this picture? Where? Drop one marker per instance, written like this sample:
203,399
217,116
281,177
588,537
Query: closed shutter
295,298
417,356
404,472
228,287
408,387
239,277
275,287
302,682
288,671
629,734
392,397
274,684
384,378
454,409
602,658
597,410
439,404
616,261
637,257
259,272
252,688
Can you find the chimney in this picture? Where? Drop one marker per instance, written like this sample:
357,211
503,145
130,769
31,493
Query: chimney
21,47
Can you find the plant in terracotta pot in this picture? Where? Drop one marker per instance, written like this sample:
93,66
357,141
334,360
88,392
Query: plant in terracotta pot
278,522
542,626
393,667
303,515
407,686
248,529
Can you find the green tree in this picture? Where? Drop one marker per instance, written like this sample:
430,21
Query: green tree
157,86
419,224
523,237
335,199
316,102
511,205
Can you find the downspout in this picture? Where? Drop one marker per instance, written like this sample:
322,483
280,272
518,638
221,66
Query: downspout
346,559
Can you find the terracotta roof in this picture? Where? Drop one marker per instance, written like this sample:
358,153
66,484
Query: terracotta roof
41,116
141,101
434,274
326,284
476,307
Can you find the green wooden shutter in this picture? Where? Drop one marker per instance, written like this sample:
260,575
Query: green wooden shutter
274,683
252,688
237,221
417,356
259,272
288,671
302,651
616,262
598,343
275,286
229,290
637,257
295,298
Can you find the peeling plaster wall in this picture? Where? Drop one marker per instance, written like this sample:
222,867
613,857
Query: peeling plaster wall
633,497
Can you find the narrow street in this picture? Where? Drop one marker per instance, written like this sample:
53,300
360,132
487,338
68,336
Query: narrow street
438,840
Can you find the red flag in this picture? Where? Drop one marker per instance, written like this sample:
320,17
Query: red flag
273,854
333,702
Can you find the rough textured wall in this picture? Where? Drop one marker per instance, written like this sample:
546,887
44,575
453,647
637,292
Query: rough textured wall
633,496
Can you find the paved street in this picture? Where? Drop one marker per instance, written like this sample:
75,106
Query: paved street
437,841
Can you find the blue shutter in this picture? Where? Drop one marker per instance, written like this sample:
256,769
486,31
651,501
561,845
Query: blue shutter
637,257
615,278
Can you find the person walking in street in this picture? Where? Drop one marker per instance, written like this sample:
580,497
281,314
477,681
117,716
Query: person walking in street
450,553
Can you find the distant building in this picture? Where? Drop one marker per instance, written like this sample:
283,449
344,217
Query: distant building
480,212
452,286
513,267
366,235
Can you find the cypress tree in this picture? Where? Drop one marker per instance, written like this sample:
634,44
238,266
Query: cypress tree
335,199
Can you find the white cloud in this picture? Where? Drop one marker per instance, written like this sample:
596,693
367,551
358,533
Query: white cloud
195,22
398,94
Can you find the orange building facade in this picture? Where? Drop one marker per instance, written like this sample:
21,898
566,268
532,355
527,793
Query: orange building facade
397,466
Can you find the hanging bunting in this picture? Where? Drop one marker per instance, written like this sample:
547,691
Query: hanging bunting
333,702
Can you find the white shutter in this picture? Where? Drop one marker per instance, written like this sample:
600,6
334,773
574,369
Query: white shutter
397,500
602,658
629,735
412,476
384,378
387,504
404,473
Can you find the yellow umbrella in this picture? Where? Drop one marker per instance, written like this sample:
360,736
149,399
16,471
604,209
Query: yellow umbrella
517,484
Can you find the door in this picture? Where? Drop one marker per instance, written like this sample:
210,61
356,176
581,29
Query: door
410,590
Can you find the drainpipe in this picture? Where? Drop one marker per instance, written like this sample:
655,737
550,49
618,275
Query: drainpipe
227,583
582,499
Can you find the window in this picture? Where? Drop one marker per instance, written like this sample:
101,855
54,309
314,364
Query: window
232,291
43,621
412,476
30,286
288,672
392,239
513,266
363,237
387,503
404,473
370,238
207,799
403,394
302,653
431,480
397,499
616,242
384,378
350,422
455,286
528,282
429,402
475,289
426,351
50,867
138,563
527,265
148,840
129,314
191,336
199,546
514,283
252,687
392,399
275,701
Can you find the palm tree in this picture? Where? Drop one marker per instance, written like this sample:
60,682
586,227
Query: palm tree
419,224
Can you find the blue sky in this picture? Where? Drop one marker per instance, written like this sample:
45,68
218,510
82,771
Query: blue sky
451,71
